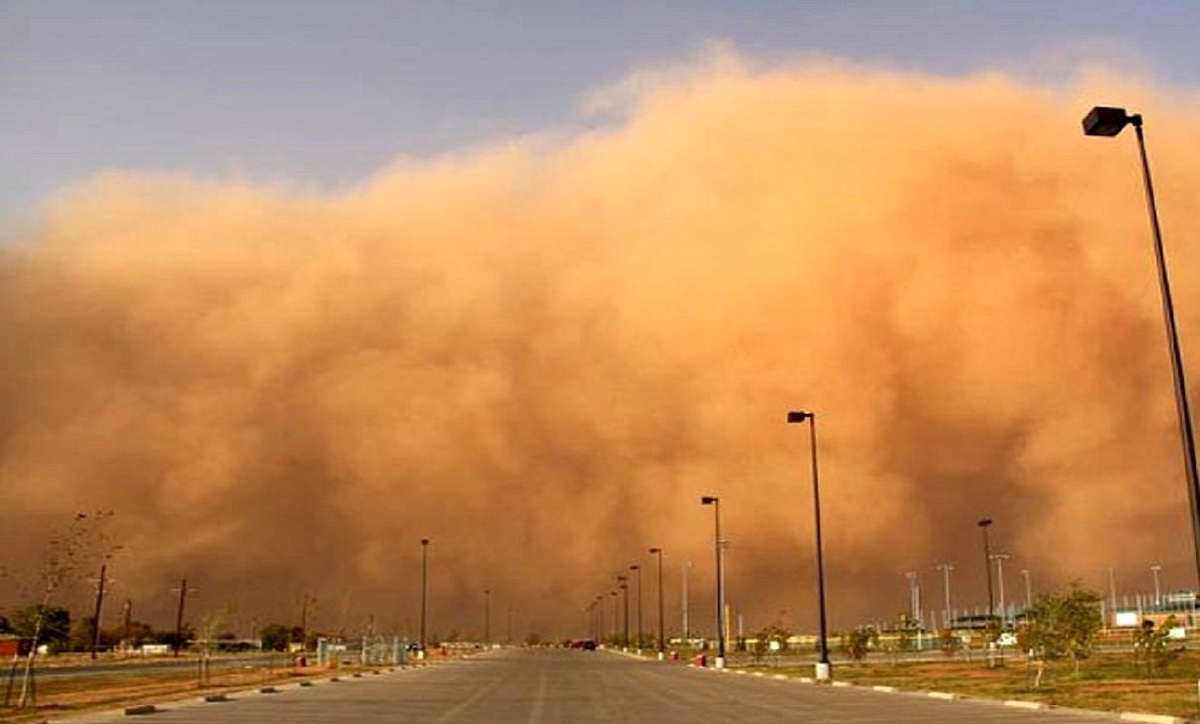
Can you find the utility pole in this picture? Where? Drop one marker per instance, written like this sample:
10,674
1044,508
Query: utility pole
183,590
96,615
308,598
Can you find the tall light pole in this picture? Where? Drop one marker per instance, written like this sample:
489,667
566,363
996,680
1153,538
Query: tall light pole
1105,121
1000,558
616,619
684,569
662,643
623,584
1157,591
823,668
424,590
945,568
637,571
487,618
716,503
1028,589
987,566
1112,589
600,619
914,598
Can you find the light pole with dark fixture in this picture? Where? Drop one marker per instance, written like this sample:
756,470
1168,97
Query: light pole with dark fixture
984,524
823,669
637,571
1106,121
623,584
658,552
716,503
487,618
616,619
424,591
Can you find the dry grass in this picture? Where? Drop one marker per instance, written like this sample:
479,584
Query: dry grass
57,697
1107,682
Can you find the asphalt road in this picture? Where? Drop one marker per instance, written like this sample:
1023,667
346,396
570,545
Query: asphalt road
556,686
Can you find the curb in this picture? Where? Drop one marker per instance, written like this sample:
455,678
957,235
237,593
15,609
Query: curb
1151,718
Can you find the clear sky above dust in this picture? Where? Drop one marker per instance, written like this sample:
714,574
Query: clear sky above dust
290,289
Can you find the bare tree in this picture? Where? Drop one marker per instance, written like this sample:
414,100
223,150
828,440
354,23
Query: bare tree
66,554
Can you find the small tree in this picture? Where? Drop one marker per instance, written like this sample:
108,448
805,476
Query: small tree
1064,626
50,625
949,642
276,636
1150,646
859,642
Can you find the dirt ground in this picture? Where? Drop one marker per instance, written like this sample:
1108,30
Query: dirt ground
58,697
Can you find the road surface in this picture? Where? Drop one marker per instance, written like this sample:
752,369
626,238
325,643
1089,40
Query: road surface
558,686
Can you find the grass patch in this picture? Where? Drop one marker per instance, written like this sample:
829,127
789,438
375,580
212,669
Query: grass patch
1106,682
75,695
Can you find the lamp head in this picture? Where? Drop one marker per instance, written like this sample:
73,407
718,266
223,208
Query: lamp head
635,567
1106,121
800,416
985,522
424,541
709,500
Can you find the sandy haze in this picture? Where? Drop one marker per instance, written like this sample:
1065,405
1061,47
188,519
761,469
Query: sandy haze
540,353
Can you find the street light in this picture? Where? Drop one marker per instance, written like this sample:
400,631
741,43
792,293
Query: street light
616,619
487,618
945,568
424,590
823,669
662,643
1157,592
1105,121
987,567
914,598
716,503
1028,590
623,584
684,569
598,619
637,569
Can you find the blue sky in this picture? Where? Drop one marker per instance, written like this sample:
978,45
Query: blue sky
325,93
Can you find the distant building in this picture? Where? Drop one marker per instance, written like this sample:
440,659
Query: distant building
10,645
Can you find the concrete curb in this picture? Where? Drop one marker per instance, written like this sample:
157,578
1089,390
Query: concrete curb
1130,716
1151,718
1019,704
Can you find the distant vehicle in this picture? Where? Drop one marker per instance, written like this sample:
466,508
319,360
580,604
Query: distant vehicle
589,645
